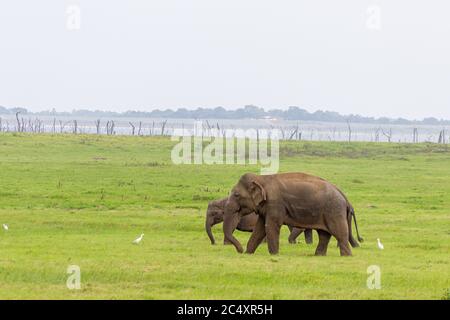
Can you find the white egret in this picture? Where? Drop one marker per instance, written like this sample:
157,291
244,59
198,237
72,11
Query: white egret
139,239
380,245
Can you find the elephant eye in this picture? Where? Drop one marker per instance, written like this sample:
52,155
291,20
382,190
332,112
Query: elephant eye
236,194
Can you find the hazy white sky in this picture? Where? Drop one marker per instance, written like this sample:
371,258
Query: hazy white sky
147,54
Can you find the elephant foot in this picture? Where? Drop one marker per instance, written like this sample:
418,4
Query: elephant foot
292,241
320,254
273,251
345,252
344,248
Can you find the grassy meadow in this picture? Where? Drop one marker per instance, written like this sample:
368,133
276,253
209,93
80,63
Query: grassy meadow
82,199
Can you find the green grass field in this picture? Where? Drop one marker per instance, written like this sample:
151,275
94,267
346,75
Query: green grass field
81,200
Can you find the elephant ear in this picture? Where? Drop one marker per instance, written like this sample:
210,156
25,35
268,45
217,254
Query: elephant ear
258,193
219,209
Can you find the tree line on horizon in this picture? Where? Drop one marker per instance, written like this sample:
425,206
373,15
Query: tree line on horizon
247,112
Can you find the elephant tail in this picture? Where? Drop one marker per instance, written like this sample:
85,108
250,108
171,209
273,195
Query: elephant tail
352,212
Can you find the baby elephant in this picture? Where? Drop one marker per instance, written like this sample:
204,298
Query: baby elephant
214,215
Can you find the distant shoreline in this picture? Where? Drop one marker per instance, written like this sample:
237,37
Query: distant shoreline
248,112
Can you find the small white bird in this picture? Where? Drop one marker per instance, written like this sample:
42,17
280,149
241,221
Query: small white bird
380,245
139,239
5,227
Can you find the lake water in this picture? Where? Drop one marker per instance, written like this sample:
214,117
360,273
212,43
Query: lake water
307,130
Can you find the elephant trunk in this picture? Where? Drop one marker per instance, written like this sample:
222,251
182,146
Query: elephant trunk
230,223
208,224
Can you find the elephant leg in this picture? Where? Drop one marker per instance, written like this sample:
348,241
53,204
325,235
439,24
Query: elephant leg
273,236
226,241
344,246
258,234
308,236
295,232
342,237
324,239
353,242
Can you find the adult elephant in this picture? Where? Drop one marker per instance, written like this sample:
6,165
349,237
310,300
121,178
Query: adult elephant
215,213
296,199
